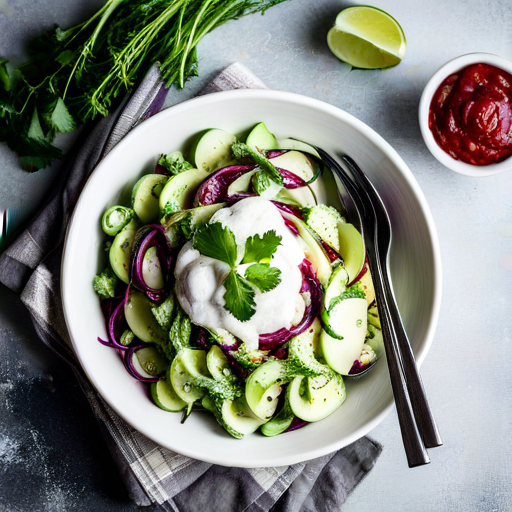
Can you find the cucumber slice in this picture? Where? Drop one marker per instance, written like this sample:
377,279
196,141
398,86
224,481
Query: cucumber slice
323,220
217,363
347,319
140,318
297,145
115,219
373,318
315,398
241,184
351,249
262,388
165,397
121,251
313,250
213,150
281,421
260,138
337,285
295,162
145,196
237,416
375,340
187,365
301,196
151,270
151,361
180,190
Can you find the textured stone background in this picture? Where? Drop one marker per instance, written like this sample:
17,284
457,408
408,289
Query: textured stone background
52,457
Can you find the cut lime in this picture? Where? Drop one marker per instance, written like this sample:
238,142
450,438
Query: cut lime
368,38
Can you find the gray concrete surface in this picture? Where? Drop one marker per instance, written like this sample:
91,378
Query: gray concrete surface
51,456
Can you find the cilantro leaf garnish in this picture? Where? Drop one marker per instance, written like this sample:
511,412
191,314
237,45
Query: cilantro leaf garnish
239,297
260,249
241,150
216,241
263,276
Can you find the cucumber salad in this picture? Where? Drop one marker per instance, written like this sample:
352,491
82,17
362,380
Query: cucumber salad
236,287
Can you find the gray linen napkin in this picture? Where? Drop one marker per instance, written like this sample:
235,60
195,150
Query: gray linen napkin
152,474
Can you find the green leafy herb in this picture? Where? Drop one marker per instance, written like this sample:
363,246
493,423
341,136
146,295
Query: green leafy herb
260,182
174,162
263,276
241,150
260,249
216,241
104,284
239,297
74,75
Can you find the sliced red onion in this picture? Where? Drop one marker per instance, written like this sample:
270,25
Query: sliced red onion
273,153
331,253
361,273
113,311
289,208
160,169
296,424
290,179
215,188
311,285
128,364
151,235
291,226
359,367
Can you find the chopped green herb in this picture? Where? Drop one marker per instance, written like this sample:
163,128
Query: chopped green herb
239,297
263,276
260,249
174,162
216,241
104,284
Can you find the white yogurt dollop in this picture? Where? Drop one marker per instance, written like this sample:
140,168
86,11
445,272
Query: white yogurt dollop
199,278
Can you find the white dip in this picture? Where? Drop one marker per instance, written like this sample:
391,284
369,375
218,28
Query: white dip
199,278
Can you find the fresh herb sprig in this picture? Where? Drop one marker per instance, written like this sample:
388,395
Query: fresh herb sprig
241,150
218,242
74,75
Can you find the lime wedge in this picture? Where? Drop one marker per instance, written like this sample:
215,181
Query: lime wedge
366,37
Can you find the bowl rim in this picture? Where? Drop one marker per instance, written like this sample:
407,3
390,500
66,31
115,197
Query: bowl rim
304,101
443,72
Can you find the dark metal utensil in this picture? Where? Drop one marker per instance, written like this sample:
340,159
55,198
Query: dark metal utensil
411,406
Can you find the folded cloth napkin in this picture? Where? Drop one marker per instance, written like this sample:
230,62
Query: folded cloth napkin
152,474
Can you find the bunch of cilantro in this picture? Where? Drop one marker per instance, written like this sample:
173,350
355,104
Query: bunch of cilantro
218,242
74,75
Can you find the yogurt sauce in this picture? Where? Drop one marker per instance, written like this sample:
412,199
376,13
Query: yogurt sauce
199,278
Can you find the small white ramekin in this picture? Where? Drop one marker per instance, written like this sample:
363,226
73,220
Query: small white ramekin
426,98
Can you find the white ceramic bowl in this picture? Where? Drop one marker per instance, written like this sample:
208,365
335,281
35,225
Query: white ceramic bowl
415,268
426,98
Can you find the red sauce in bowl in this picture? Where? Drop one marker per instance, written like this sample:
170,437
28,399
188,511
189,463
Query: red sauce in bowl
471,115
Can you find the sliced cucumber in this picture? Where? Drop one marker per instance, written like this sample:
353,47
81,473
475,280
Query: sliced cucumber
145,197
374,318
213,150
375,340
313,250
298,146
237,415
260,138
187,366
347,320
336,286
180,190
140,318
120,251
281,421
351,249
262,388
315,398
323,220
301,196
295,162
241,184
115,219
165,397
217,363
151,270
151,360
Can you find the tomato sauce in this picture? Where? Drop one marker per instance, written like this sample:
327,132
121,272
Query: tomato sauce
471,115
